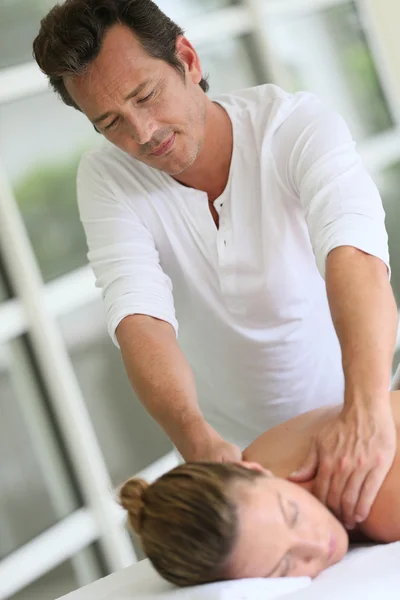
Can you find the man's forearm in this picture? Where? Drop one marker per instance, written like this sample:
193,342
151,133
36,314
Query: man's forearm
364,314
163,380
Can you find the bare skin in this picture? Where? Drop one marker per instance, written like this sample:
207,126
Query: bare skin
282,450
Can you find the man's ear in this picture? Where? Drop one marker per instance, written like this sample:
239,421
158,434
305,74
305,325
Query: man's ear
186,53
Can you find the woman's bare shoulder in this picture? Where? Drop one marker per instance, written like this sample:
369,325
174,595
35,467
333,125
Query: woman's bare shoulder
283,448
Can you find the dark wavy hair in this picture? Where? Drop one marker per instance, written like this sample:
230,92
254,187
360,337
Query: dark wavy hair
72,33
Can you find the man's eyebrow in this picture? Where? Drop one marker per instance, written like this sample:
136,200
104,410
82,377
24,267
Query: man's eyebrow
132,94
280,502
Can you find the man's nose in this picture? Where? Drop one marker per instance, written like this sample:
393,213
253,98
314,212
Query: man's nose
141,127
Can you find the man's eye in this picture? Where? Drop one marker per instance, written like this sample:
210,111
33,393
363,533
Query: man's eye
111,125
146,98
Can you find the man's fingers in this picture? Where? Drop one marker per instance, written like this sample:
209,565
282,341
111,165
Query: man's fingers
323,479
351,495
339,480
369,491
309,467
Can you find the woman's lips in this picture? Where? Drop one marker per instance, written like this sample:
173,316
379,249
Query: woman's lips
165,147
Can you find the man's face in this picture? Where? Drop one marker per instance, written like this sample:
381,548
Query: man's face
143,105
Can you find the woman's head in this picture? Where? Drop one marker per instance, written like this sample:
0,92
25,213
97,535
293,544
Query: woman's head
204,522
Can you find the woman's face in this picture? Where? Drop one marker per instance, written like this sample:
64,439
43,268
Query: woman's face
284,531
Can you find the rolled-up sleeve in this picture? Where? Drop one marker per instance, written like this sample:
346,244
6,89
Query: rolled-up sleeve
121,251
341,203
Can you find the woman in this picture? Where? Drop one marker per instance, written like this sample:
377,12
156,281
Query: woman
204,522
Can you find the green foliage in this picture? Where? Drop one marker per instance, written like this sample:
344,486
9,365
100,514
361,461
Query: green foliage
47,198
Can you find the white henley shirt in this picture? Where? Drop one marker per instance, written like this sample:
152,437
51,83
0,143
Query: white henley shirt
249,297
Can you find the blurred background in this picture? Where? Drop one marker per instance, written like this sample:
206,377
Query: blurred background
64,394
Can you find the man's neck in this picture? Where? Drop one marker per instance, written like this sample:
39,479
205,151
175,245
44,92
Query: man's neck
210,171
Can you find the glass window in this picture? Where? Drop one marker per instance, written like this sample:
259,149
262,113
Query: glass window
183,10
129,438
326,52
228,64
26,505
19,25
37,488
388,182
40,146
20,22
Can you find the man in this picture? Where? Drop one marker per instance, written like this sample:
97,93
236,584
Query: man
249,220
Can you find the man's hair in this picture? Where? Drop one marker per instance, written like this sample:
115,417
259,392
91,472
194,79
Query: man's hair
71,36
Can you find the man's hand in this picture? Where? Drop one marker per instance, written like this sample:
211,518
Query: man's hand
350,457
222,451
213,448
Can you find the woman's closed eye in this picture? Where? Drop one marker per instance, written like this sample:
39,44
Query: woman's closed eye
294,514
286,565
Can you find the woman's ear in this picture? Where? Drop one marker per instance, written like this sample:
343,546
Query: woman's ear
254,466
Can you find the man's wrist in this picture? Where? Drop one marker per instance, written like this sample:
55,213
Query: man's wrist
370,399
194,436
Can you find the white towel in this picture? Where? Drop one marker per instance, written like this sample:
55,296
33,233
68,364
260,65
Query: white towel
141,582
367,573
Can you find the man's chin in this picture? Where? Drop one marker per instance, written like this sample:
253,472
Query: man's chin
176,171
169,164
177,168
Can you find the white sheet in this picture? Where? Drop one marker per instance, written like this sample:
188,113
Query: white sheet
366,572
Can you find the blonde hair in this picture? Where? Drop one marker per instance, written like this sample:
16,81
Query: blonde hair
187,519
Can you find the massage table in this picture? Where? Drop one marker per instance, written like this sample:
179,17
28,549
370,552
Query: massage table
368,572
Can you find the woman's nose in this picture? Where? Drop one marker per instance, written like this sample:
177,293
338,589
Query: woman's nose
311,547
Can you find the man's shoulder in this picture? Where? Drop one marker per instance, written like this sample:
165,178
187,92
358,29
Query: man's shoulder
107,170
267,106
263,95
108,159
109,166
256,94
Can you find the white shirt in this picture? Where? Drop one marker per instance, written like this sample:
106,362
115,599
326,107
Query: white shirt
249,297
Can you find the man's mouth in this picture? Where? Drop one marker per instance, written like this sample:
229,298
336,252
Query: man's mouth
165,146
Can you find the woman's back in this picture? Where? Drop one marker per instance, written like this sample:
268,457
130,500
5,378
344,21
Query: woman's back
284,448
